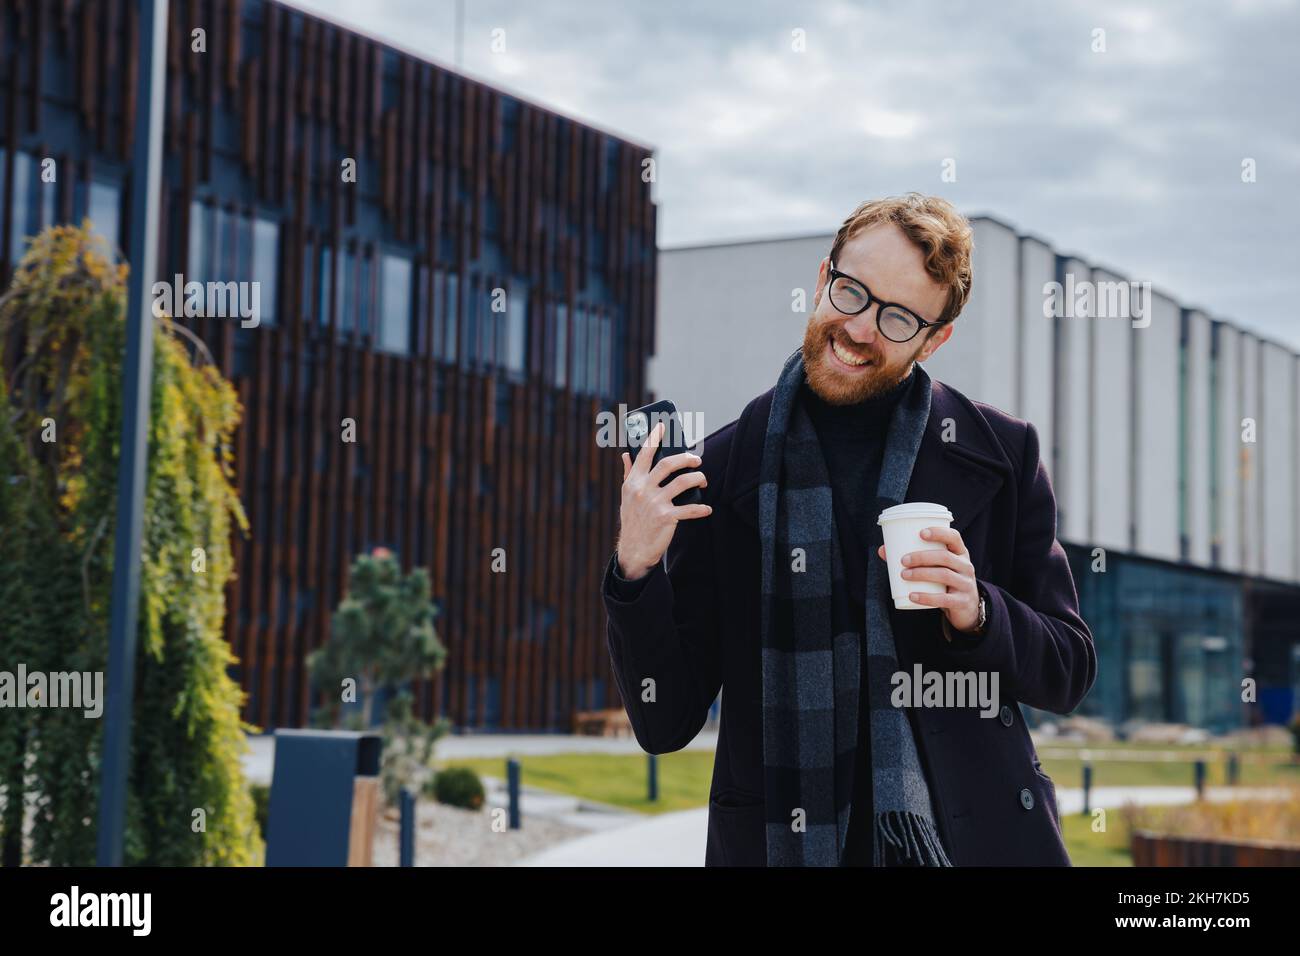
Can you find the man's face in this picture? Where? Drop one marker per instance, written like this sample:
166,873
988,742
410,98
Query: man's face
884,260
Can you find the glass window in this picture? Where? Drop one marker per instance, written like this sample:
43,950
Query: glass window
420,297
471,328
308,281
196,266
49,199
343,284
516,336
484,323
21,198
243,270
395,305
606,355
592,332
365,267
104,211
217,266
561,343
266,250
593,352
451,318
438,315
579,350
323,272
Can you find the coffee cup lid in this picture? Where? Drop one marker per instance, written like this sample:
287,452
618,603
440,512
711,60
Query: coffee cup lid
915,509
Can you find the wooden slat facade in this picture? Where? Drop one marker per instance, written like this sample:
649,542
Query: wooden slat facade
455,454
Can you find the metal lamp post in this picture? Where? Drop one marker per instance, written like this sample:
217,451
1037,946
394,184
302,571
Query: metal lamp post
146,172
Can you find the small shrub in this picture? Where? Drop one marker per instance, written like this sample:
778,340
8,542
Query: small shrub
1273,820
459,787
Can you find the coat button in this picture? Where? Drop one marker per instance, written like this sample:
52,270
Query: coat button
1004,715
1026,799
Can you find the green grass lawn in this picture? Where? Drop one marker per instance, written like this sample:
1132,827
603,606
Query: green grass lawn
1068,772
684,779
1087,848
616,779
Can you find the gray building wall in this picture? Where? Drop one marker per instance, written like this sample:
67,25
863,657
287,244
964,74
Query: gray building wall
1141,425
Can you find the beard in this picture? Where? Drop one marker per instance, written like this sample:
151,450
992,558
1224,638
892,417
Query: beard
838,386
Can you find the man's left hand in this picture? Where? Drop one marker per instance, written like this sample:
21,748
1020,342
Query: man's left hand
950,566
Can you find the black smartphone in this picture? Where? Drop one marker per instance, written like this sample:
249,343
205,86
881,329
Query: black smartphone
637,425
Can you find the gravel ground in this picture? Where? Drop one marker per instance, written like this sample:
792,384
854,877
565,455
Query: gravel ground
450,836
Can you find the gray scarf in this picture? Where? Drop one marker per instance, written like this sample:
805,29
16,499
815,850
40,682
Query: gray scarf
811,652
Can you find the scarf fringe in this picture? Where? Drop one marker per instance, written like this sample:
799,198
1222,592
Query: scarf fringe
914,837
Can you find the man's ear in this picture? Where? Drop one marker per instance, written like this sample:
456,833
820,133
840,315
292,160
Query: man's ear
822,272
935,339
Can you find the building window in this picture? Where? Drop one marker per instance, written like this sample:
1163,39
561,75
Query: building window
322,271
561,344
606,356
231,247
200,223
473,304
592,353
451,317
49,198
395,304
32,203
516,331
103,206
579,364
344,297
266,251
364,266
20,225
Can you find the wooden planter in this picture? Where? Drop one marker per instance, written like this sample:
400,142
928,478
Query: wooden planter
1162,849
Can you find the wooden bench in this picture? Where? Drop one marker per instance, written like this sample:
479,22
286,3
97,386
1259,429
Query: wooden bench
602,723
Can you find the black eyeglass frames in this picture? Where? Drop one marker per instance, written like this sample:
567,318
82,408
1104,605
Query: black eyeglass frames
896,322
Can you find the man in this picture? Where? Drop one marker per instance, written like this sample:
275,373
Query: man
776,587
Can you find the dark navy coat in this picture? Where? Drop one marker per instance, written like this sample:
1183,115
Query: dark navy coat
694,628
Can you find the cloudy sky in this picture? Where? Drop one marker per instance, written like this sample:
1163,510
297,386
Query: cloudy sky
1130,157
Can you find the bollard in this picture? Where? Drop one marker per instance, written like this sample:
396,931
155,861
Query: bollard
1087,789
1200,780
653,768
512,785
1234,769
406,850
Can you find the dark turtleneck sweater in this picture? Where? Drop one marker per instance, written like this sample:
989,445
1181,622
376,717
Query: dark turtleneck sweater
852,438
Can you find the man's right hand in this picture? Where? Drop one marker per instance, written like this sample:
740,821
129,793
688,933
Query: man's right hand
647,516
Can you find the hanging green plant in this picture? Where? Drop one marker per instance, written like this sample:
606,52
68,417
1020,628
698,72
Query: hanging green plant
62,342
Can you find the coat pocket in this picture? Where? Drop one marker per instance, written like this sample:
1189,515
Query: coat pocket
1050,787
737,832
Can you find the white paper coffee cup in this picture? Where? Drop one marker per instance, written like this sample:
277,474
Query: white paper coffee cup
902,526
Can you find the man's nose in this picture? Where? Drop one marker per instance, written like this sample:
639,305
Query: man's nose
862,327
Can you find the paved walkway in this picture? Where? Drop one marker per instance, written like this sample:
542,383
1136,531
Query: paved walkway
671,839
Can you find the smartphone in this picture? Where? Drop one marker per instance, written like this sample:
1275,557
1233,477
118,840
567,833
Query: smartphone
638,424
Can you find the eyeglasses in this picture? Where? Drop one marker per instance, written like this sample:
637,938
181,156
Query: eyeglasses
896,323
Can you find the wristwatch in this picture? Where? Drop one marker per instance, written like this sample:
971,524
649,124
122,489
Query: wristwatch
984,611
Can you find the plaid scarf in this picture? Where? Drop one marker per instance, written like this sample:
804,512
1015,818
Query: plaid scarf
811,651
